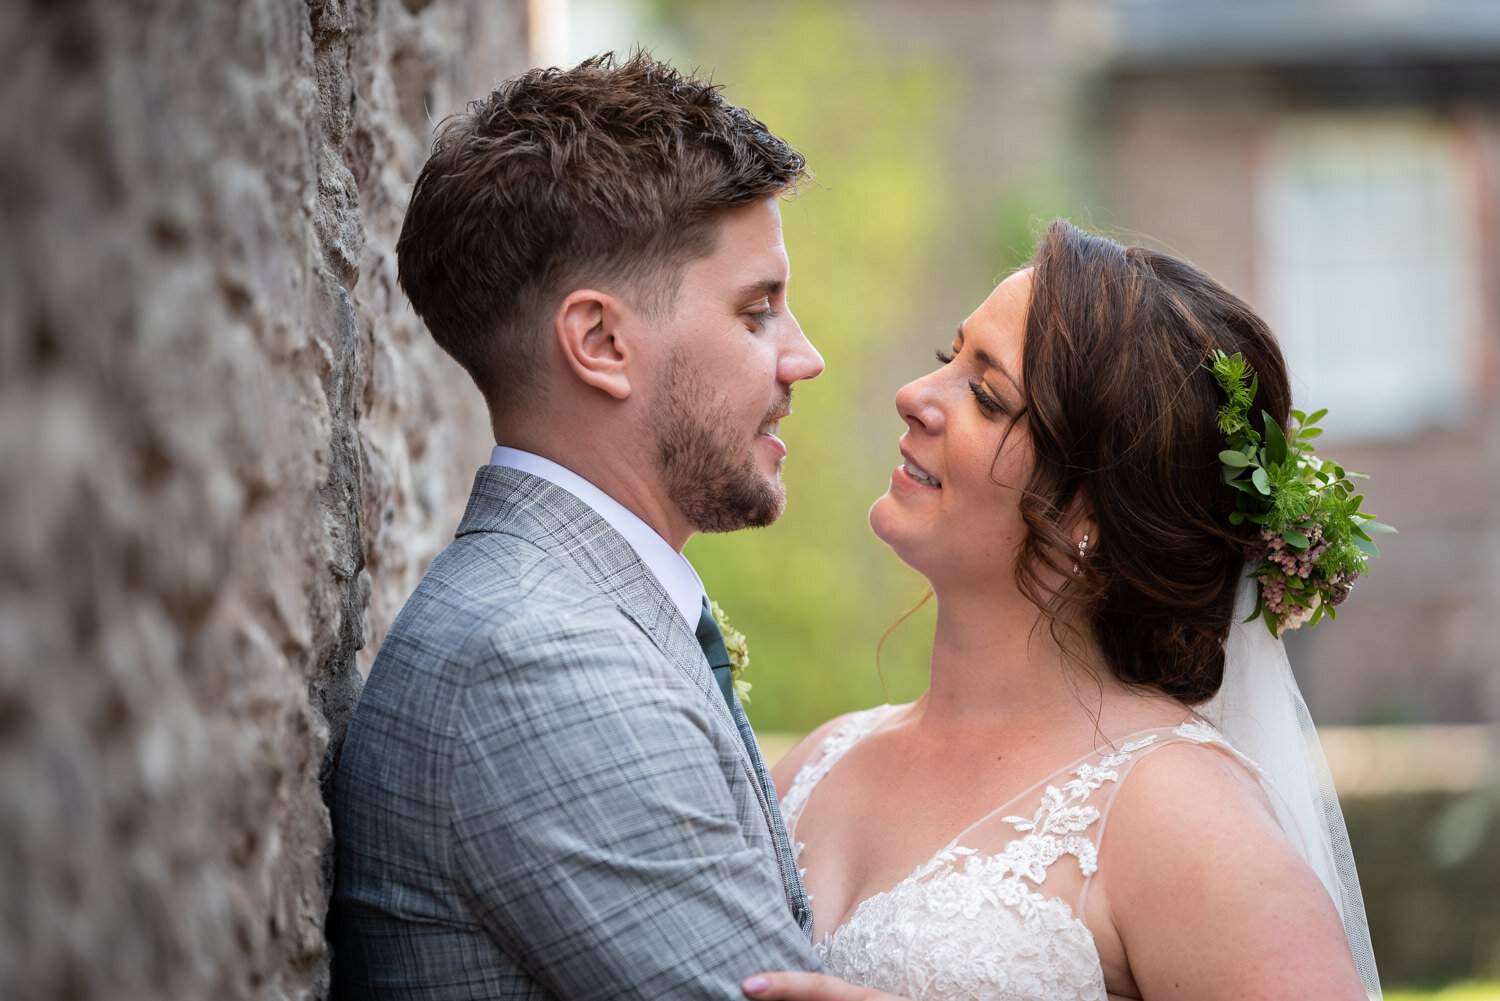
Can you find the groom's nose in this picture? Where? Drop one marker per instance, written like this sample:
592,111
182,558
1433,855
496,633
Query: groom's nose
799,360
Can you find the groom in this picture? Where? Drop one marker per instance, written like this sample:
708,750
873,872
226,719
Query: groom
545,791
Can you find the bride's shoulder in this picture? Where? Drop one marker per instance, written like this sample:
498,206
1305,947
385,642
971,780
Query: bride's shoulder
1194,862
1191,811
855,723
1191,781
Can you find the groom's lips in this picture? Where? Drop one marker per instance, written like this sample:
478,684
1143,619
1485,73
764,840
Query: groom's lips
772,425
770,430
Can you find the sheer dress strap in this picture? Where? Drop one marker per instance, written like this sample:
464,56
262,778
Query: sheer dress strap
851,731
1195,731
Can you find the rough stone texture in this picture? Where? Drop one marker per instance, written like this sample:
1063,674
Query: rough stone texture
228,449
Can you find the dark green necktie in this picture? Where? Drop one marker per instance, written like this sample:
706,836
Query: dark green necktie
712,642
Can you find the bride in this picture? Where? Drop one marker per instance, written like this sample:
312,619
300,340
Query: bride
1056,817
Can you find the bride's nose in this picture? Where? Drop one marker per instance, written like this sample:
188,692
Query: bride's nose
918,404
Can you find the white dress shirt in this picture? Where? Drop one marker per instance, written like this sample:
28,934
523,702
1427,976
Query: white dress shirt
671,569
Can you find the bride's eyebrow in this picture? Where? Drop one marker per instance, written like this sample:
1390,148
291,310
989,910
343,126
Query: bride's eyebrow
989,361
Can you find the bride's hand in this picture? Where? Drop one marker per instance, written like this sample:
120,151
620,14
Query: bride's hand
791,986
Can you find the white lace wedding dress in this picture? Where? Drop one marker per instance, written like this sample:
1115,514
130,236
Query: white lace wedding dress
996,914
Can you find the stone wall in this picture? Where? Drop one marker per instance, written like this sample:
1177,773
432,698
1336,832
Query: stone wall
228,448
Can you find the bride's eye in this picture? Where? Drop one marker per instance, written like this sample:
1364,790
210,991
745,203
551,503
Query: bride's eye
943,357
987,402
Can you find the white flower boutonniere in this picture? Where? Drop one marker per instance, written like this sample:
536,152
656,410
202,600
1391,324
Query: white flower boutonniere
739,652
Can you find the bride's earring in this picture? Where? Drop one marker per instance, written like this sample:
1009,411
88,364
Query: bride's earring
1083,545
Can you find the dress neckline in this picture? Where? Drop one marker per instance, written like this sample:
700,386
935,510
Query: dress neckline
865,723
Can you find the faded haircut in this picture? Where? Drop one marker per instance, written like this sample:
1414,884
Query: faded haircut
610,175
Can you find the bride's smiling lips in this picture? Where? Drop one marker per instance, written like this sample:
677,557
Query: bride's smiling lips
911,472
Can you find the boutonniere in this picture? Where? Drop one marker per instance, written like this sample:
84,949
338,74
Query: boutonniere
739,652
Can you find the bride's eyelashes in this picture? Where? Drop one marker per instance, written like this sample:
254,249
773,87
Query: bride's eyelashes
986,400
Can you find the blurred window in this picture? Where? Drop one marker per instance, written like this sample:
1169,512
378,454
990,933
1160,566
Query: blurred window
1367,269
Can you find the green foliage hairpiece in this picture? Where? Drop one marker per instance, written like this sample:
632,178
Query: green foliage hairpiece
1314,541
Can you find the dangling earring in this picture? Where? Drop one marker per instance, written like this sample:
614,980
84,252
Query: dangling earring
1083,545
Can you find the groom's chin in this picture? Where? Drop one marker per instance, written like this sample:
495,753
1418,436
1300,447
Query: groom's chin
756,508
770,501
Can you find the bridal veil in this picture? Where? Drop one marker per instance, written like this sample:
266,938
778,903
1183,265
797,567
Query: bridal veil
1260,710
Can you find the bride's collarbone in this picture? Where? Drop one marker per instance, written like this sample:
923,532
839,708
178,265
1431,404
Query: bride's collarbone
951,771
904,793
885,810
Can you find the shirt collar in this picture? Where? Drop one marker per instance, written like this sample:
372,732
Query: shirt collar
671,568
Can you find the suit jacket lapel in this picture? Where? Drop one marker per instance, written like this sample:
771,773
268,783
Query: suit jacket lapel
507,500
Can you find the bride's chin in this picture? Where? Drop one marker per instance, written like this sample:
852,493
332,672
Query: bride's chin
879,517
885,523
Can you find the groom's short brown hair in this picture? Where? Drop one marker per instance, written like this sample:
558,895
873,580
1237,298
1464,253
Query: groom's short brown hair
610,174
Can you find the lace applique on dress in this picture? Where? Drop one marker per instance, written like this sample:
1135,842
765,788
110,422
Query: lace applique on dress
983,924
1053,831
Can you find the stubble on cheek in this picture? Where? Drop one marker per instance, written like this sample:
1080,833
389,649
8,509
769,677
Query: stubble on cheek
707,462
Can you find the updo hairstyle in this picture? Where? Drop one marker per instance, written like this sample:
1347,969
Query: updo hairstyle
1122,413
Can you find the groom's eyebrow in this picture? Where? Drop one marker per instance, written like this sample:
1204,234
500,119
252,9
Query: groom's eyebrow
764,287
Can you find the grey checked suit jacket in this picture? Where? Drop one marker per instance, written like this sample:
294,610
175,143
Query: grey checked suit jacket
542,793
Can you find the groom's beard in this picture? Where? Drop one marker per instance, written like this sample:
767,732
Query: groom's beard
707,459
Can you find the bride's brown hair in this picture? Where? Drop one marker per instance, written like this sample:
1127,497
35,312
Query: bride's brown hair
1122,415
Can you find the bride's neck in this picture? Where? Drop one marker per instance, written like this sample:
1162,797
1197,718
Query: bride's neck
999,657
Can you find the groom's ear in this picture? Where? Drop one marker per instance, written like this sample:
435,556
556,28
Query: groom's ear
590,328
